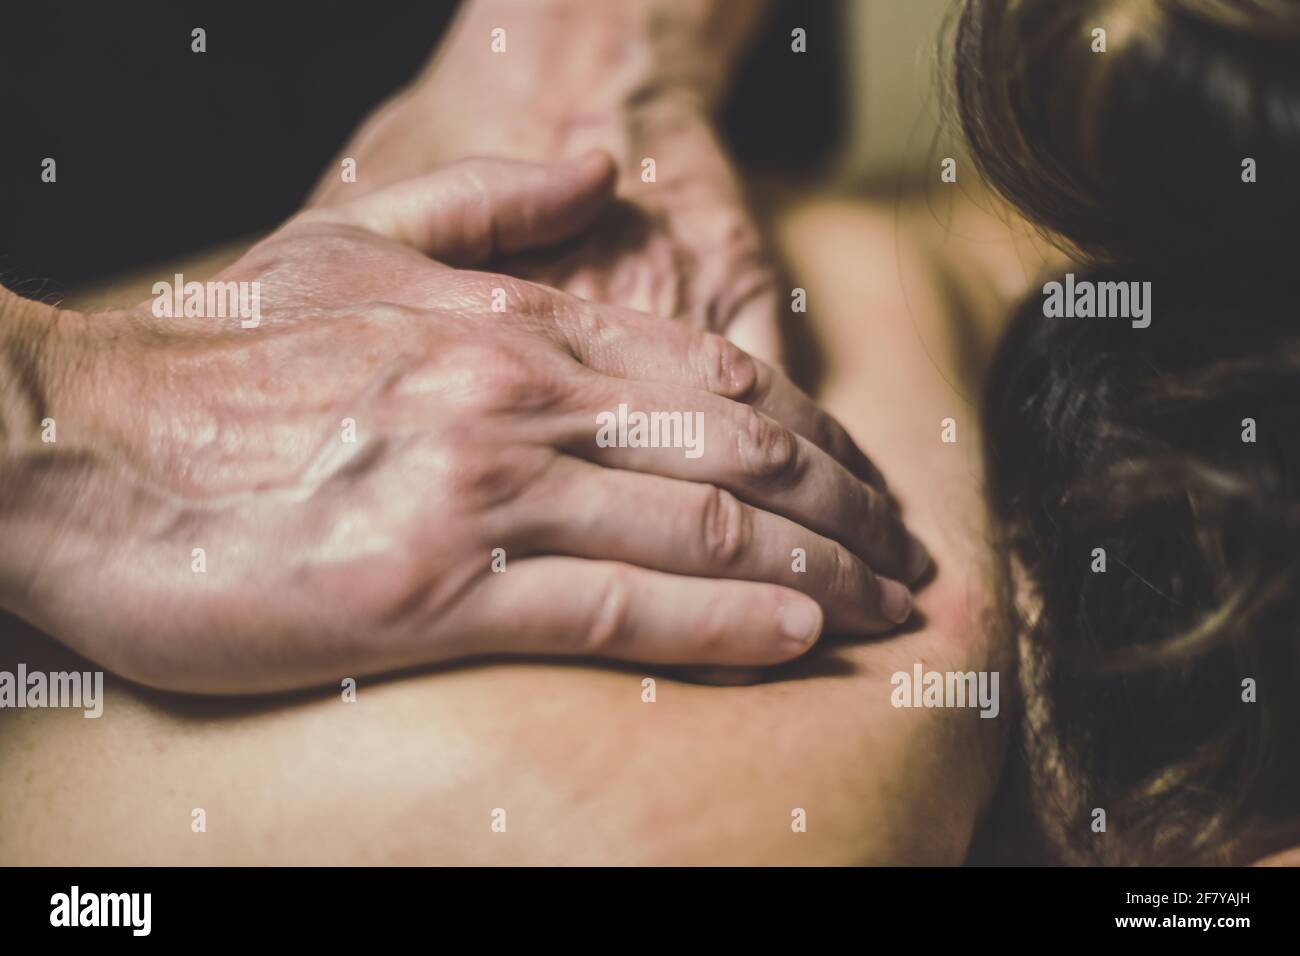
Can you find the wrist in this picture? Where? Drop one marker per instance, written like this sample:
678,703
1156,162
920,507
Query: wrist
609,50
29,332
45,361
583,63
31,360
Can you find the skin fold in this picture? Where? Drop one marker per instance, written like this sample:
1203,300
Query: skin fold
586,771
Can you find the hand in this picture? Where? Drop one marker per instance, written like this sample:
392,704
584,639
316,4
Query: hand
682,247
638,79
204,523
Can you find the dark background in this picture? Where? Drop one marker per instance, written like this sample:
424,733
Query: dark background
161,151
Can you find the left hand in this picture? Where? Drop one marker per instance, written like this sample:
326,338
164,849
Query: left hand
682,246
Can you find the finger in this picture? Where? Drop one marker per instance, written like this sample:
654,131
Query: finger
559,605
700,437
690,528
477,208
635,346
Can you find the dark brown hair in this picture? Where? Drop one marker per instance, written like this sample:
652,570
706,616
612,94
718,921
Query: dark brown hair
1138,152
1131,440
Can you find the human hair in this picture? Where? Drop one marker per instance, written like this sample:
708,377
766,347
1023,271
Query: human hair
1162,680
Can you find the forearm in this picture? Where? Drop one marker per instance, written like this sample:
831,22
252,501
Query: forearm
50,360
635,78
600,56
25,328
30,374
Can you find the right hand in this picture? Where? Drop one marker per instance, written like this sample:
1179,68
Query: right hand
474,430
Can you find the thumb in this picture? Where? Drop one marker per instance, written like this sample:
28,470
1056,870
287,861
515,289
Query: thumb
477,208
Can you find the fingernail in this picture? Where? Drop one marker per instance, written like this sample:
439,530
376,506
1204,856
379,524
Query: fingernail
895,600
801,621
918,558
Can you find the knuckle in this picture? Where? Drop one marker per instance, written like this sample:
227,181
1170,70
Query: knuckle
712,633
830,435
384,595
846,573
500,297
400,596
522,298
497,379
478,479
462,471
725,526
725,368
886,528
609,615
504,378
533,300
881,518
767,452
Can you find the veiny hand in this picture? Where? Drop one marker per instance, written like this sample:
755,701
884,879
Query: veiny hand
683,246
323,557
638,79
